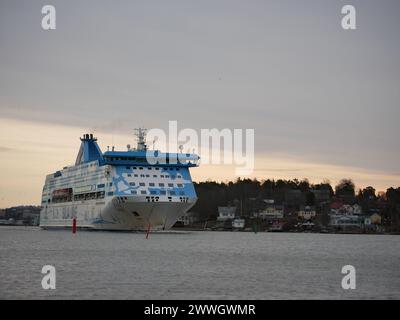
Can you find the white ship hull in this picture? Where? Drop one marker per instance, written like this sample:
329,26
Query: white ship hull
132,214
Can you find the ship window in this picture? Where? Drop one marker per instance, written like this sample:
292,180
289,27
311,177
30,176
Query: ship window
143,192
135,175
131,183
147,175
177,169
157,168
142,184
162,192
154,176
180,185
181,193
162,176
173,177
151,184
133,191
134,168
100,186
128,168
129,175
110,193
161,184
110,184
100,195
170,184
142,175
148,168
153,192
172,193
167,176
140,168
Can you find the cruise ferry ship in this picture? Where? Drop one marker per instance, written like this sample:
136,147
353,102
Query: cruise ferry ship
137,189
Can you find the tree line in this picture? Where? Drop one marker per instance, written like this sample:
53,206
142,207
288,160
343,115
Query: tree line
247,195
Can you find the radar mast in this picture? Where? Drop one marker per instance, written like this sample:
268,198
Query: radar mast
140,134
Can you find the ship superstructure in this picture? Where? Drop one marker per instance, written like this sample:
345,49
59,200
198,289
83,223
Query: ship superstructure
119,190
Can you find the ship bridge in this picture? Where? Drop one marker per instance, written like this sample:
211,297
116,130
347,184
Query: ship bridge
150,157
90,151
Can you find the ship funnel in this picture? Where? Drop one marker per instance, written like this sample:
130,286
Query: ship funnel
89,150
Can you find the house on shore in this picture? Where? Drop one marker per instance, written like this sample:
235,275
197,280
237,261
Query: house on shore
226,213
346,217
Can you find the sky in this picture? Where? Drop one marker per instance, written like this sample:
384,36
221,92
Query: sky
323,101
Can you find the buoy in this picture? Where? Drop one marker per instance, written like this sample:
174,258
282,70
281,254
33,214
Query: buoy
74,225
255,227
148,231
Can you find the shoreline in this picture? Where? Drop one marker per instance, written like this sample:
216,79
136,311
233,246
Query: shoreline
179,230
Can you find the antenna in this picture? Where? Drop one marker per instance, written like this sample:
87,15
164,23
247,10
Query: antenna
140,134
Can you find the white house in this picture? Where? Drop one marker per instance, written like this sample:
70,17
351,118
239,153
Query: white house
340,220
226,213
271,212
